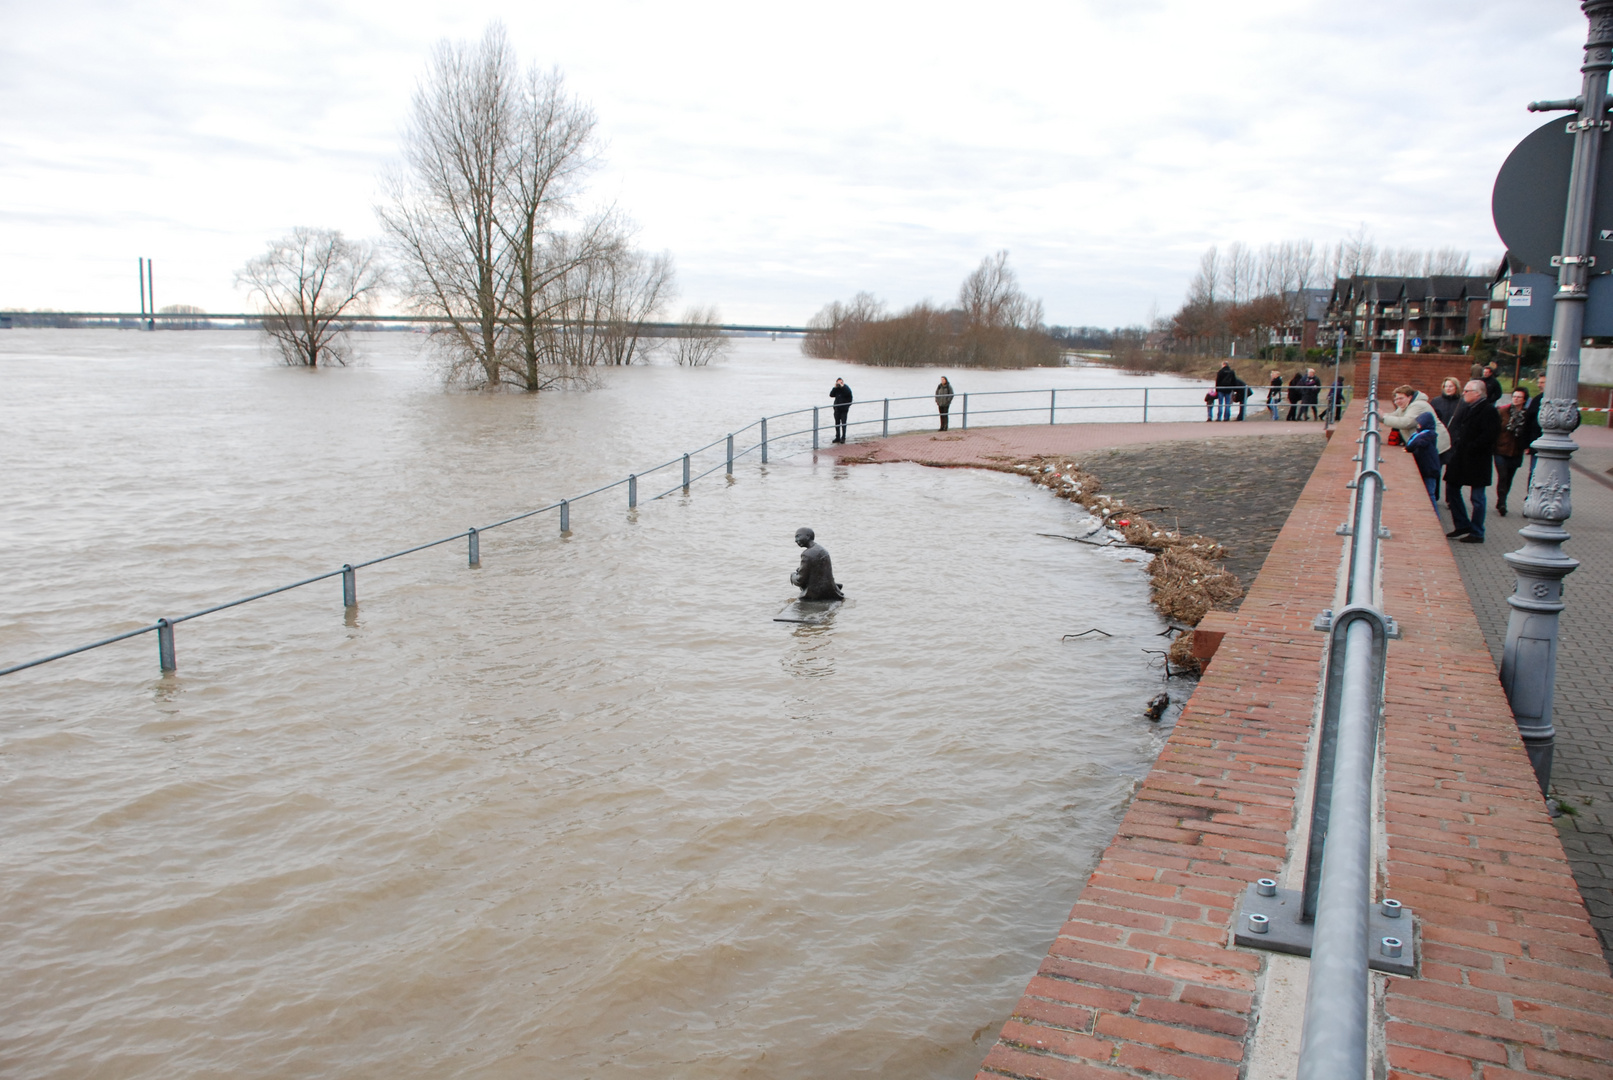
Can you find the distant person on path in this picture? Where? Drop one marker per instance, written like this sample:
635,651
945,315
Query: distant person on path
1449,398
943,399
1335,400
1423,446
1312,395
1274,393
841,393
1509,445
1296,394
1209,405
1225,380
1492,385
1240,391
1474,428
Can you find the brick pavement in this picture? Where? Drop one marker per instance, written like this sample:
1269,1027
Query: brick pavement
1008,443
1582,774
1141,978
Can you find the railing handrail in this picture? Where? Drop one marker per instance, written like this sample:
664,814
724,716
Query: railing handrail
164,626
1335,1039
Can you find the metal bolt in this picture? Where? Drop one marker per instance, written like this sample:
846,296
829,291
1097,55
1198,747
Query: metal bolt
1391,909
1258,923
1391,947
1266,887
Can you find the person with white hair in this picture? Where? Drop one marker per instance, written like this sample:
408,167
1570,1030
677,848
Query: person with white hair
1474,427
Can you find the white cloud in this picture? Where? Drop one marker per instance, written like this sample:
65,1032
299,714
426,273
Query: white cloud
789,155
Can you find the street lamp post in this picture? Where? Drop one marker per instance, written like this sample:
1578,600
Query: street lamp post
1529,658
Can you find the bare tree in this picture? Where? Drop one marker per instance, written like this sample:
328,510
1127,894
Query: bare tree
442,216
305,282
991,297
1238,272
1205,282
699,340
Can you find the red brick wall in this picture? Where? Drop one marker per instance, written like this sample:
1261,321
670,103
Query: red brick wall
1424,371
1141,979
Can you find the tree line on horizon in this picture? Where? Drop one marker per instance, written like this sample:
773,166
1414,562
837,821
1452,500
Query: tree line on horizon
992,324
485,229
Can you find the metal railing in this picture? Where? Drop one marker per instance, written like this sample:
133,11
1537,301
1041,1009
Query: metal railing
1146,404
1332,918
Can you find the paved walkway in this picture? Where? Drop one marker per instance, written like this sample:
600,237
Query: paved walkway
979,446
1582,775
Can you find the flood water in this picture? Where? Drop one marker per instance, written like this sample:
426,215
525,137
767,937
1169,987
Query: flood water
585,811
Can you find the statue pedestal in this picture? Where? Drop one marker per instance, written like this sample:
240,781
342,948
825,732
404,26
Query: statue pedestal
809,612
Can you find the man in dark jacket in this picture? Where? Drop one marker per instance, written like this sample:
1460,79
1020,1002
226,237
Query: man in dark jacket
841,393
1312,395
1474,428
1492,385
1225,380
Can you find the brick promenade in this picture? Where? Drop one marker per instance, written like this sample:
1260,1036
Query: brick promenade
1582,776
1141,979
986,444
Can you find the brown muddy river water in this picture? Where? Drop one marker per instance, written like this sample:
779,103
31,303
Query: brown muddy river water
586,811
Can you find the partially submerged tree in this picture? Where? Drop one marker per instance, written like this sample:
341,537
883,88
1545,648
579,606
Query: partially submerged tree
495,159
699,339
305,282
994,325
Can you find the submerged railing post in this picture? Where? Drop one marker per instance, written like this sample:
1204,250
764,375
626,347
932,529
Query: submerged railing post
731,453
349,586
475,548
764,445
814,438
632,490
165,646
885,424
1053,407
565,517
965,412
686,473
1145,404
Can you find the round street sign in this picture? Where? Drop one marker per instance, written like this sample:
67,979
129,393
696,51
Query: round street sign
1530,199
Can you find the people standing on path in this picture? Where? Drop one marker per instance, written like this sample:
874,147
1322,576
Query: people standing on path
1296,394
1409,405
1225,380
1509,445
1311,399
1450,396
841,393
1474,428
943,399
1274,393
1240,392
1423,446
1335,399
1210,398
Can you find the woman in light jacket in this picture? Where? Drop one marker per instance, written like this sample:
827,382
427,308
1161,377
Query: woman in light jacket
1409,404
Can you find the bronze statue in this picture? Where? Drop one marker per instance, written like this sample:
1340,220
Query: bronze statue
815,577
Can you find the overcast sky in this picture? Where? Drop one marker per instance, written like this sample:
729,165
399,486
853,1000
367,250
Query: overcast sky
786,156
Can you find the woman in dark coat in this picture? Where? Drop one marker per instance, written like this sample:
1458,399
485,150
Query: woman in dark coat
1444,405
943,399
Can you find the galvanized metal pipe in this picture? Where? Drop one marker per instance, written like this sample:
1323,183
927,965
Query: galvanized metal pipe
1053,407
349,586
686,464
814,440
632,482
1334,1043
565,517
885,425
475,548
764,454
966,412
165,646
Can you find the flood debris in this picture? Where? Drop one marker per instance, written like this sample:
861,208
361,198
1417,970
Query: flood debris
1084,633
1185,583
1157,706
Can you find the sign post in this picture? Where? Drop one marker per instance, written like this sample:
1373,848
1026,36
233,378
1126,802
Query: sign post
1529,658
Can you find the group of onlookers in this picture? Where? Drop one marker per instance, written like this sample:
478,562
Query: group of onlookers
1303,390
1471,437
